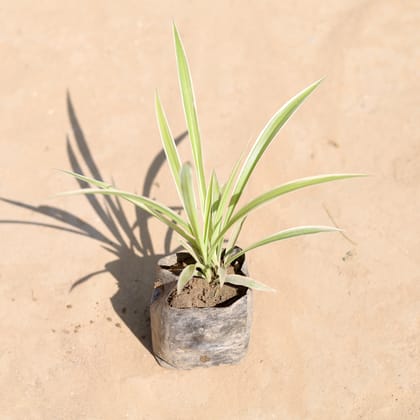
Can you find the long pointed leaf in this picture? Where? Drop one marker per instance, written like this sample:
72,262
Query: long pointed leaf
193,251
266,136
215,200
188,101
188,196
185,277
87,179
225,193
207,209
161,212
284,234
110,190
220,206
234,237
247,282
168,142
284,189
221,273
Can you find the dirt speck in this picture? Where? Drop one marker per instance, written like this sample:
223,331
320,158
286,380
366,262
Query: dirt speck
348,255
69,306
333,143
118,325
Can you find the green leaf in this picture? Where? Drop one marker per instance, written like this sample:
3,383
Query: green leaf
160,211
284,234
225,193
188,102
185,277
190,205
162,215
215,202
109,190
168,142
207,208
221,273
191,250
219,208
84,178
283,189
234,237
247,282
216,190
265,138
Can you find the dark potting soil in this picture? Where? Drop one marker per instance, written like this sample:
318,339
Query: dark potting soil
198,293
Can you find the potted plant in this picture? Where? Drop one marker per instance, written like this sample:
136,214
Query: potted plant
201,307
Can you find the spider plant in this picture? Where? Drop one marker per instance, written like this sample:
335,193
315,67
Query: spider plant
212,220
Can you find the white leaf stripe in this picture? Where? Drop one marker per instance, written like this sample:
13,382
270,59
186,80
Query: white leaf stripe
188,196
266,136
190,112
280,190
247,282
185,277
168,142
284,234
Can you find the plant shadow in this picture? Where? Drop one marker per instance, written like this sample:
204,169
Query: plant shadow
129,241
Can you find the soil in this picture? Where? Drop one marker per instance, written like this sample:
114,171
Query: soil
198,293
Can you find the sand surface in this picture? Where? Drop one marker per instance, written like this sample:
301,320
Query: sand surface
340,338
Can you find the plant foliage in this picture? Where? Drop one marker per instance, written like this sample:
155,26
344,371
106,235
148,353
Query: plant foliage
212,222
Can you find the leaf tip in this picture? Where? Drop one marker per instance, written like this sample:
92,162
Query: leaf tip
315,84
175,32
331,229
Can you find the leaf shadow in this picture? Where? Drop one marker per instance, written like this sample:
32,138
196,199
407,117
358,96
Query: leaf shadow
130,242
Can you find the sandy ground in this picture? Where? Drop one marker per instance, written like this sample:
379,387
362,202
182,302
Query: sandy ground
340,338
